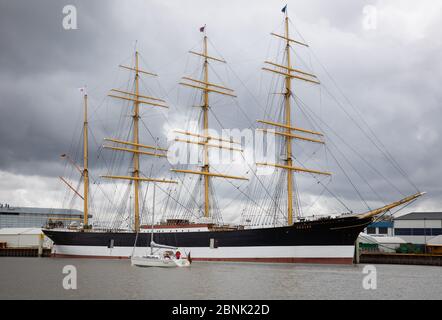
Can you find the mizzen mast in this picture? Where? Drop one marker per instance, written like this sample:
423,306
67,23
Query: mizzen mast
85,167
135,144
85,171
286,128
207,87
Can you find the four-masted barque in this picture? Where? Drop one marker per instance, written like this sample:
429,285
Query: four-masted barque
324,240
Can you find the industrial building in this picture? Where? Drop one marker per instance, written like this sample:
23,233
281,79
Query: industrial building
434,245
21,237
418,227
380,243
382,228
24,242
26,217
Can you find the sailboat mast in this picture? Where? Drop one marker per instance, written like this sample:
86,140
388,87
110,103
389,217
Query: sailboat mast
205,132
288,124
153,219
85,166
136,159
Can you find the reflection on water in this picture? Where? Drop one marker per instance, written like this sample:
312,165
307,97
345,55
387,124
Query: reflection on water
29,278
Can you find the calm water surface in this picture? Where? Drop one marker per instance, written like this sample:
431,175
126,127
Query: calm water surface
42,278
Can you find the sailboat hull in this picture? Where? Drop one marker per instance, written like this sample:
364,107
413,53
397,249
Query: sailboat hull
320,241
143,261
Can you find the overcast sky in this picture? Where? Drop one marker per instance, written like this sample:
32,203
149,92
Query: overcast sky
390,70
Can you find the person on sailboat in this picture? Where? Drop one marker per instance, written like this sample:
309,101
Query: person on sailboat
189,258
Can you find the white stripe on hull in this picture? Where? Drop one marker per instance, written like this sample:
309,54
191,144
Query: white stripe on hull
221,253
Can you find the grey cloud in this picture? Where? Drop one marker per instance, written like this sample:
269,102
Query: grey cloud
393,81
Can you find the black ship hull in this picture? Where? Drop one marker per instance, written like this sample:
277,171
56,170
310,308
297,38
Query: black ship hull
321,241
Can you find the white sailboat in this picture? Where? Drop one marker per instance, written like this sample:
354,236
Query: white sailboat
164,256
163,259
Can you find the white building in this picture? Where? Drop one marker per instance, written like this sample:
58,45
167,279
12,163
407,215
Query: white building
21,237
418,227
384,243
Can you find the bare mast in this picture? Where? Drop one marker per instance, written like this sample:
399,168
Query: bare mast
85,167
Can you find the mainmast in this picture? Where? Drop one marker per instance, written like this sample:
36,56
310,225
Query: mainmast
288,123
204,139
136,159
85,167
205,130
286,70
137,100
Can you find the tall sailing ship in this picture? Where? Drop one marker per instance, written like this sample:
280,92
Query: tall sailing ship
320,240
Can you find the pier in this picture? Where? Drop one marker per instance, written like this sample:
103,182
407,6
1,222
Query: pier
401,258
25,252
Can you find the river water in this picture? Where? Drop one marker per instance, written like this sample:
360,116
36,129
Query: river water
42,278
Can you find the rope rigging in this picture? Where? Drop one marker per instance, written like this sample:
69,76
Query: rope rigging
264,199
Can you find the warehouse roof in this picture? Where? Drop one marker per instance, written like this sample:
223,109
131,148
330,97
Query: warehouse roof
17,231
421,216
389,240
30,210
365,238
436,241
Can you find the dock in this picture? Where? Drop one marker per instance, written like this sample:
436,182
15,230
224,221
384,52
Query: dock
401,258
25,252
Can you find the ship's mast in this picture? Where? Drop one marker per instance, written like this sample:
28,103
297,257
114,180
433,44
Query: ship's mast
85,171
286,128
205,131
288,123
207,87
85,167
136,172
137,99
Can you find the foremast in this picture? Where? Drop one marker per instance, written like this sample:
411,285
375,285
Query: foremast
288,72
134,146
287,129
204,139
